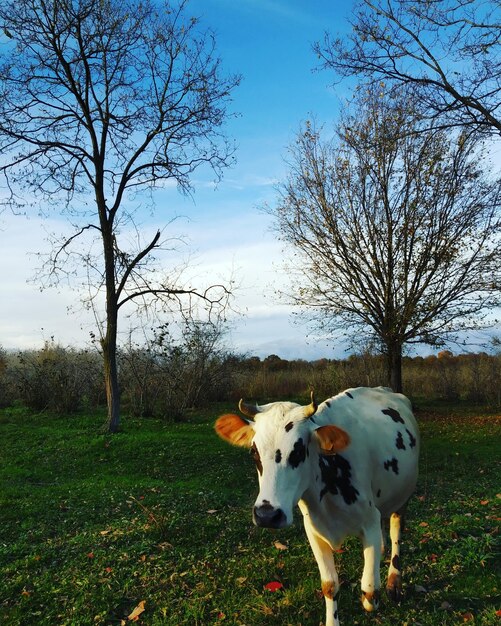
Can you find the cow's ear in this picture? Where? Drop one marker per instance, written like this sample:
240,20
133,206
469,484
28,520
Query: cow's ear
332,438
235,430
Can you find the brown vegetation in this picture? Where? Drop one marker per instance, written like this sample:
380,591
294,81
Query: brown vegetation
167,383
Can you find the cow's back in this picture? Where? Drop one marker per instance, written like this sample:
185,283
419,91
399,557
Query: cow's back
384,449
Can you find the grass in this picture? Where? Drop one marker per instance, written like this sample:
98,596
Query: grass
91,526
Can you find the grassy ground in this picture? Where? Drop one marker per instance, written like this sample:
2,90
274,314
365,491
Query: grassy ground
92,526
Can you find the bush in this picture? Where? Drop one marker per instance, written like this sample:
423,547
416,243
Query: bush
168,377
58,379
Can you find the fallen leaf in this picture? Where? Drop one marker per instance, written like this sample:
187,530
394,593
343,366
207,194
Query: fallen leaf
25,593
241,580
104,532
424,524
420,589
134,616
212,511
90,555
484,502
280,546
273,586
467,617
498,613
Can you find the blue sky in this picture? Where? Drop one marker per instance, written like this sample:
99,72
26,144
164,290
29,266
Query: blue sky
268,42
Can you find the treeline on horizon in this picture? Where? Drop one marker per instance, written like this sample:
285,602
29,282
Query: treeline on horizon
168,383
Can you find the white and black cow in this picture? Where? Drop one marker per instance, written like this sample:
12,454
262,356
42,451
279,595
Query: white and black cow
349,464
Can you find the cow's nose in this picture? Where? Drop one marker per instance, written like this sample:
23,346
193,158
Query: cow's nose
268,516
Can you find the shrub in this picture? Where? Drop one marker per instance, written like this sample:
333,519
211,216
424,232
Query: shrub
58,379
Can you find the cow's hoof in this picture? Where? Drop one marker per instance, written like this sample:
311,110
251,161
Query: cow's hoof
394,588
394,593
370,600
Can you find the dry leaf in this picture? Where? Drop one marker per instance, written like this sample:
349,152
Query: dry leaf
212,511
134,616
280,546
241,580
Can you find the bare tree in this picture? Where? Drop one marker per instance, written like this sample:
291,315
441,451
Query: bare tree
449,51
396,232
101,99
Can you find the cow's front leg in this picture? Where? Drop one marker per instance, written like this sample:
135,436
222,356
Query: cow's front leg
328,574
371,538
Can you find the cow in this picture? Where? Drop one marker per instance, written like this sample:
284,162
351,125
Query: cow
350,464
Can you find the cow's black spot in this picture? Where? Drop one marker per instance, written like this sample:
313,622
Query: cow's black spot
336,475
298,454
257,458
412,439
395,415
395,561
400,441
393,464
349,395
288,426
278,456
378,494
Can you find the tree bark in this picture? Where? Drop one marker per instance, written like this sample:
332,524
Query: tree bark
394,367
109,341
109,346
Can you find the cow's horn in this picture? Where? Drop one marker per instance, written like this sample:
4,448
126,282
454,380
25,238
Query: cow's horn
249,410
311,408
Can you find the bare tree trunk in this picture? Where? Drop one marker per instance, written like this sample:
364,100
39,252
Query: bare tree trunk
109,341
394,366
109,346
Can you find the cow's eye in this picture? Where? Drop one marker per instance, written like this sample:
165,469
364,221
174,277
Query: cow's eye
257,459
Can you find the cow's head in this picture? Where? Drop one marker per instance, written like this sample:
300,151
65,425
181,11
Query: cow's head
281,436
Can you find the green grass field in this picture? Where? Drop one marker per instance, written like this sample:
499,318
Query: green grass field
93,526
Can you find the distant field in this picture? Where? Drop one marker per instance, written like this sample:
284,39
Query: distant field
92,526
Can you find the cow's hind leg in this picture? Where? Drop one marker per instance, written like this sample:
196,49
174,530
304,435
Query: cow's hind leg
328,574
394,584
372,541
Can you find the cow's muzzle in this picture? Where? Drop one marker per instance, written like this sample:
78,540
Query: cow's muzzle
267,516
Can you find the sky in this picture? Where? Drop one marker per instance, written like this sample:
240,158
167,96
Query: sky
226,232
